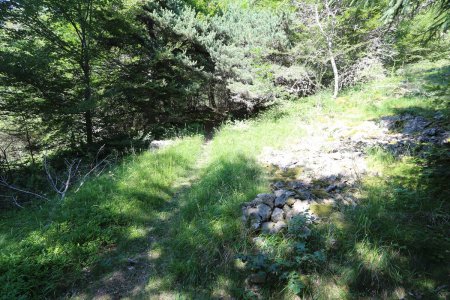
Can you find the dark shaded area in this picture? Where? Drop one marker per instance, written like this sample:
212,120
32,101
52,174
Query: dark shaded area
60,246
183,252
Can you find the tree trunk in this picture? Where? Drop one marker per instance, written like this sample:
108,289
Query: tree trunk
330,52
335,72
30,143
211,98
88,127
85,65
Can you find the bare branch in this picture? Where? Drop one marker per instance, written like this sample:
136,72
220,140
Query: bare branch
4,183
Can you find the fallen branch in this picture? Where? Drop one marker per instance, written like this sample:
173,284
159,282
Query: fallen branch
4,183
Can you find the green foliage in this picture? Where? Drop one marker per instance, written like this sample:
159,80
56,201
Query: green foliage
294,255
411,40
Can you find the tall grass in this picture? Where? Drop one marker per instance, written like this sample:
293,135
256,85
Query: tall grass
47,248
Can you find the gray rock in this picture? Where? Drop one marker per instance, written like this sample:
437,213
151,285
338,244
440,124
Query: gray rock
280,225
289,214
415,125
267,199
277,215
286,209
280,201
279,193
272,228
331,188
390,122
255,202
300,206
154,145
303,195
263,211
253,216
255,224
297,185
430,132
258,241
282,196
278,185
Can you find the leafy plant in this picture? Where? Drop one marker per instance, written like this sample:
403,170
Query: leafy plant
287,267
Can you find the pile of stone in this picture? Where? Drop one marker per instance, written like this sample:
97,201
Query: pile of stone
417,127
270,213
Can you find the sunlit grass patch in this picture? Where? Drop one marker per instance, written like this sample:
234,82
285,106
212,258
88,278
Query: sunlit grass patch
46,248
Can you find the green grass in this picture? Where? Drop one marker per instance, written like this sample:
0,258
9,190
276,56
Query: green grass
395,240
392,243
47,248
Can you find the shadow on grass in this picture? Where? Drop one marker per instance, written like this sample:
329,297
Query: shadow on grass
196,258
189,244
59,246
395,242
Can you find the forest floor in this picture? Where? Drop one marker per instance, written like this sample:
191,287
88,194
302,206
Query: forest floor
374,164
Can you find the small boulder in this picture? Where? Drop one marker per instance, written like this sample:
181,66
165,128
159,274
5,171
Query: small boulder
331,188
280,193
251,217
286,209
282,196
255,224
290,201
264,211
278,185
415,124
267,199
297,185
303,195
300,206
277,215
155,144
280,201
273,228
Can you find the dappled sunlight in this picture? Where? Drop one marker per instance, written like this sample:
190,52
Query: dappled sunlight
373,258
168,224
327,287
95,224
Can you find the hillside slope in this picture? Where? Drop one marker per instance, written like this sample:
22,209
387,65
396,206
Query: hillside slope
167,224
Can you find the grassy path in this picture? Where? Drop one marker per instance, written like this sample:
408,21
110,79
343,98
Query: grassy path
167,224
377,248
132,277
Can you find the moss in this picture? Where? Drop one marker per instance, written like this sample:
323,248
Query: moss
322,210
320,193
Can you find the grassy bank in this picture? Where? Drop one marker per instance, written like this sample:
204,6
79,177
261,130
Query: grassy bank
48,248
